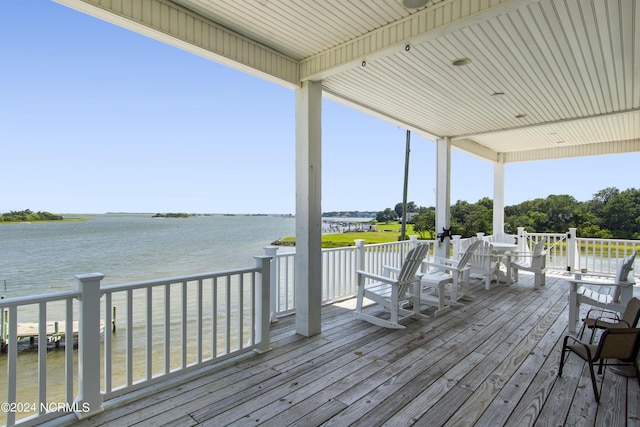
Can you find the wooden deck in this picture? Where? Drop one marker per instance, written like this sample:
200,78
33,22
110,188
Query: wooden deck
492,362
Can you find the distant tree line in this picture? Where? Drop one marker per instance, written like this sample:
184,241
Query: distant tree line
171,215
29,216
610,214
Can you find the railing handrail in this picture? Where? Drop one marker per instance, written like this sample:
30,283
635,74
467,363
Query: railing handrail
37,299
169,280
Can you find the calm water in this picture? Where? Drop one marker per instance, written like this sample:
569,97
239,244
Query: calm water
44,257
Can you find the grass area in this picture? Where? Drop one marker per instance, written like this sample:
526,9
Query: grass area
387,233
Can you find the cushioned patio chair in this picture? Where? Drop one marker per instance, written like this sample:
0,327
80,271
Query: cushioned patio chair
445,271
534,262
601,290
615,347
392,291
599,318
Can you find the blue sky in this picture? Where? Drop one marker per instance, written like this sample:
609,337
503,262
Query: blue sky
95,118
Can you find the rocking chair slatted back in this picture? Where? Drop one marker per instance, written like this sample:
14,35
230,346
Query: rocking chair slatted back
410,267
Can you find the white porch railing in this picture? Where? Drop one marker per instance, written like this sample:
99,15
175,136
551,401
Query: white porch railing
570,253
339,267
172,326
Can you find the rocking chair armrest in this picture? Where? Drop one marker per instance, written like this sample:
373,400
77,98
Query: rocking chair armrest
384,279
442,262
519,254
610,282
377,277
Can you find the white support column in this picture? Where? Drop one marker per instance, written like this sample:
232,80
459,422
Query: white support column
89,399
443,194
498,196
308,260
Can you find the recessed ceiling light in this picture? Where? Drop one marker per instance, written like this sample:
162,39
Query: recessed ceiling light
414,4
520,116
461,62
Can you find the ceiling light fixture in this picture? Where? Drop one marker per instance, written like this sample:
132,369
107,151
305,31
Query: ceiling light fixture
497,94
414,4
461,62
520,116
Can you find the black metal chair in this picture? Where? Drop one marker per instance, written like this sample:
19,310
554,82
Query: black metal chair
600,319
621,345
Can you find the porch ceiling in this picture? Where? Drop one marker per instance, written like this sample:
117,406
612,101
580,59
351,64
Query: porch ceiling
547,79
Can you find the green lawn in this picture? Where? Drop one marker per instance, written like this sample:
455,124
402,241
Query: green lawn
387,233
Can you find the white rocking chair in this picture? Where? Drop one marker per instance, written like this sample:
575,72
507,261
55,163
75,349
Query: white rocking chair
483,264
535,262
393,293
600,290
443,271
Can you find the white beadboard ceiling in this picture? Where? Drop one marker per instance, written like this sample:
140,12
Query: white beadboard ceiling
547,78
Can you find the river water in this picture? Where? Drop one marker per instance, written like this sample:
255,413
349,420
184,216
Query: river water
43,257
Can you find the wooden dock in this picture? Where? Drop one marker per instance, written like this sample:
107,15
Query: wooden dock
55,331
492,362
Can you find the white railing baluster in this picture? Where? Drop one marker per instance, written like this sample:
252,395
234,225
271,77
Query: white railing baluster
68,351
214,317
240,309
129,346
149,340
12,363
199,325
42,355
227,346
107,344
183,327
167,328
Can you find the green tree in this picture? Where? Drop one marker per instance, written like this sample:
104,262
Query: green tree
425,222
621,214
411,207
386,215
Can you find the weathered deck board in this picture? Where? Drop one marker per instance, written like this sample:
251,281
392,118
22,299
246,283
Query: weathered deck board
491,362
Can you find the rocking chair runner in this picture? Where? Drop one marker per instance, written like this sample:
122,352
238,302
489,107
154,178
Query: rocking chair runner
393,293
